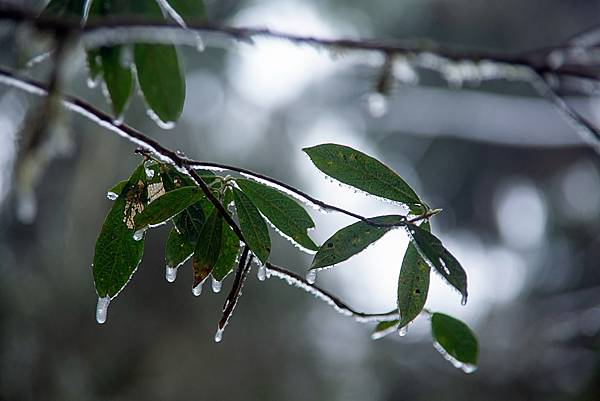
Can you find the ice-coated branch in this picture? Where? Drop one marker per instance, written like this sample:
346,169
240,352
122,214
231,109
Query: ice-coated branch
575,60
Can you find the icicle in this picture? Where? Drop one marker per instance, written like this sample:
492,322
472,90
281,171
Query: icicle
463,300
112,195
216,285
139,234
262,273
219,335
102,309
26,207
402,331
311,276
170,273
197,290
465,367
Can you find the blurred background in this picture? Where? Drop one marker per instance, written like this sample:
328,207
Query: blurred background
520,193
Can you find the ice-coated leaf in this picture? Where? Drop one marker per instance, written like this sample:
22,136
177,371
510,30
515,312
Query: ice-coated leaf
253,226
230,246
118,187
189,9
431,248
118,78
161,79
351,240
208,247
117,254
456,339
361,171
413,283
281,210
168,205
177,249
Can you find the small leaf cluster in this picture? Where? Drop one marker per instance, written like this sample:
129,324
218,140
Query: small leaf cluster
158,193
155,67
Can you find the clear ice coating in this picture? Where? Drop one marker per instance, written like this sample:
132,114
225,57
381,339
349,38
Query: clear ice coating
170,273
197,290
465,367
216,285
111,195
311,276
102,309
377,104
139,234
219,335
149,173
261,273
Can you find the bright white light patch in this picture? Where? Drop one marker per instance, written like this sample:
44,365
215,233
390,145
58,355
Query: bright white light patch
521,214
272,72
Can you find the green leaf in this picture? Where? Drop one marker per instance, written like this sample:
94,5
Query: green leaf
64,8
168,205
117,254
253,226
431,248
230,246
115,191
281,211
161,80
351,240
208,247
455,341
384,328
189,9
118,78
177,249
190,221
413,284
361,171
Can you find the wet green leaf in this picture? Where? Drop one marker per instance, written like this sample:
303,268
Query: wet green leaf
282,211
230,246
413,283
253,226
208,247
161,79
351,240
168,205
177,249
189,9
118,78
456,339
361,171
117,254
442,260
384,328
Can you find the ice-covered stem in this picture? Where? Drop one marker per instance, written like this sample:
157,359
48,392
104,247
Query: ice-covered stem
236,288
298,281
129,25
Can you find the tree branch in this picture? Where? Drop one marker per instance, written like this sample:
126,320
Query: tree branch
165,155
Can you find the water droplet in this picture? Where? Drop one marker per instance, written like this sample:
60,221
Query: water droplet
262,273
149,173
377,104
102,309
197,290
93,82
216,285
311,276
139,234
219,335
170,273
402,331
111,195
